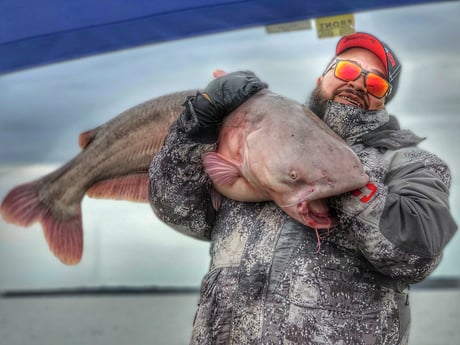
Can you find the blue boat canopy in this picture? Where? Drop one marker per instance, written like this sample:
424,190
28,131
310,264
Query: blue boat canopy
34,33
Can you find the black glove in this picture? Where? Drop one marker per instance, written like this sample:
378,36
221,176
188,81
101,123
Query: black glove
222,95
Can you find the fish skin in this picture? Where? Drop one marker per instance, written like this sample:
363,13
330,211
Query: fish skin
113,164
116,156
273,148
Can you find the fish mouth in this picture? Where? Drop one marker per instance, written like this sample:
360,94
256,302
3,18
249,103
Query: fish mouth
316,214
318,221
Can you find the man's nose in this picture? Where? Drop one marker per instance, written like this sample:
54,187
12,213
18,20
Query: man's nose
359,84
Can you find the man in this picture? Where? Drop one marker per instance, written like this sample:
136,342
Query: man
266,284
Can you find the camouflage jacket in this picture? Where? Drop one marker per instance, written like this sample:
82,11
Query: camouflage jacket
268,284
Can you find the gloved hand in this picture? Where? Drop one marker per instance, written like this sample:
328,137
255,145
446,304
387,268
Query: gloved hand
222,95
363,204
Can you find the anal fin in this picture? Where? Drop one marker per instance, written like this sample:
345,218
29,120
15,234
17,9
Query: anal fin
130,187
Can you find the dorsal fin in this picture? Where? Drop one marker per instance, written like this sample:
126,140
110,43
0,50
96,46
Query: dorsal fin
86,138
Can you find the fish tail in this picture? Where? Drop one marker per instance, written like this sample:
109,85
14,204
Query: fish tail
65,238
22,206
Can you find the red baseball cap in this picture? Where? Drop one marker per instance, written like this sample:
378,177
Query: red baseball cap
380,49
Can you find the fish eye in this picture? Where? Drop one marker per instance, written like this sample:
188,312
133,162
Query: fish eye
293,174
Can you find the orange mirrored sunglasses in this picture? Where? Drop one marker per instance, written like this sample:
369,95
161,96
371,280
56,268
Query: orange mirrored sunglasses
346,70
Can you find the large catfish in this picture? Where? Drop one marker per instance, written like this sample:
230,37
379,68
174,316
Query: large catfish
271,148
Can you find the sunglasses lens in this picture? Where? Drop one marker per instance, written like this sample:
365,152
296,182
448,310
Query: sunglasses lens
347,71
376,85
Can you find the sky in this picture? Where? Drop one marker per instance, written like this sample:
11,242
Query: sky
43,110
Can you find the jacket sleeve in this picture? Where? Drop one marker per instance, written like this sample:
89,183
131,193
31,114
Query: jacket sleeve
404,228
179,189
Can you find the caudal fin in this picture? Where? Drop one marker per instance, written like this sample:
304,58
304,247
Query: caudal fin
64,235
21,206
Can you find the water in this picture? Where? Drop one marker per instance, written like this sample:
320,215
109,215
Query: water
167,319
97,320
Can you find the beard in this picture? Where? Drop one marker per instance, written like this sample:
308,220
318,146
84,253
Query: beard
318,103
348,121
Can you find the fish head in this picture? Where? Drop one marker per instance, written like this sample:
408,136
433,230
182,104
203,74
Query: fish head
285,153
300,163
296,189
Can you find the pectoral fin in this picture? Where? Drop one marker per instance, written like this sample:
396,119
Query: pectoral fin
221,170
228,180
